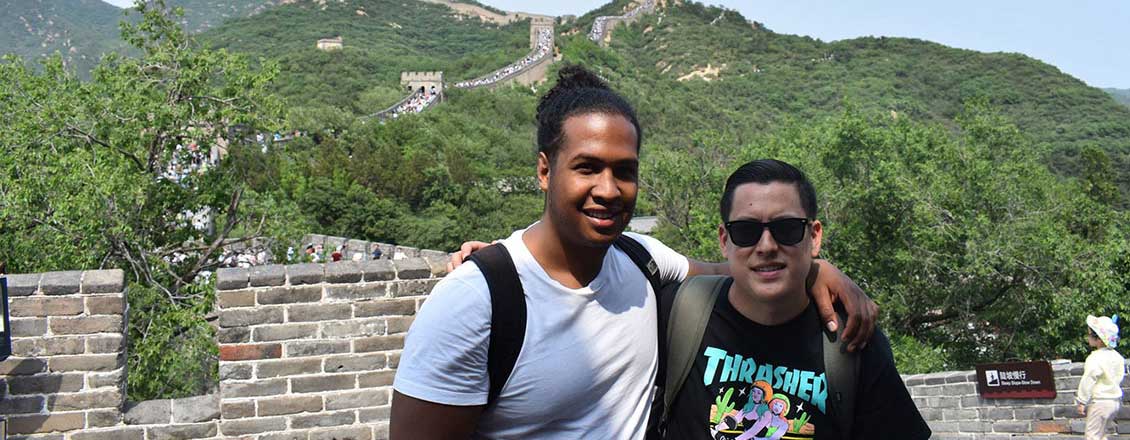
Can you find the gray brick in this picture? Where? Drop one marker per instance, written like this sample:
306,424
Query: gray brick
115,378
15,366
109,398
413,287
378,270
231,278
385,307
25,327
353,328
1011,426
39,306
122,433
240,371
323,419
288,367
237,410
354,363
319,312
86,325
378,414
106,305
45,384
378,343
376,379
252,426
256,316
289,435
398,324
47,346
182,432
105,344
23,284
284,332
313,384
315,348
342,433
103,418
355,292
103,281
343,272
355,399
271,275
60,283
235,390
233,335
196,409
289,405
235,298
308,273
412,268
288,295
149,412
21,405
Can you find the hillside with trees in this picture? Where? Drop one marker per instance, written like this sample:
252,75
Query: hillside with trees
978,197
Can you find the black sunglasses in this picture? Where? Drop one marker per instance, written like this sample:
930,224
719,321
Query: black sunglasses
786,231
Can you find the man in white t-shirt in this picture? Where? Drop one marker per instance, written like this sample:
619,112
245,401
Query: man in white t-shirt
589,355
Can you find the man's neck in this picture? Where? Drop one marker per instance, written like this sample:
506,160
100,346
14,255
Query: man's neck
572,266
767,312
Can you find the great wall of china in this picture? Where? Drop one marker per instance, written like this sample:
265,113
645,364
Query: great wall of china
308,351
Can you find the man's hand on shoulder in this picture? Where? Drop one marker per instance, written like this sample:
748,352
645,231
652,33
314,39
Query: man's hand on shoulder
831,286
465,250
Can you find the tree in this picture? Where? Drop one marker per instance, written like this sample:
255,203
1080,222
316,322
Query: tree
114,171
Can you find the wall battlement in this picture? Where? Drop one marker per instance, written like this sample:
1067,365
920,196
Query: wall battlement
309,351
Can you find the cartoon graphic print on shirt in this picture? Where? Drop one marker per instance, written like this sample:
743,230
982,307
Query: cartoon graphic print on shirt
761,401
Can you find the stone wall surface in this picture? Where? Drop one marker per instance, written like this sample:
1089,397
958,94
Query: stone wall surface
309,351
951,405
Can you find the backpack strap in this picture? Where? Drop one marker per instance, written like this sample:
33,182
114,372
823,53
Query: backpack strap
842,370
694,302
507,317
642,258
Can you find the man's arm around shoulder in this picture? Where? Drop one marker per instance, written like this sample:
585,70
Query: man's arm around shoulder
415,419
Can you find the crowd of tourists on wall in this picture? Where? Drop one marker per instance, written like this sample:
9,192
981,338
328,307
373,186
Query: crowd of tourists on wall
415,103
544,45
601,23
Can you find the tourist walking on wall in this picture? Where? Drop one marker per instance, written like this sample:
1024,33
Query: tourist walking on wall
1100,389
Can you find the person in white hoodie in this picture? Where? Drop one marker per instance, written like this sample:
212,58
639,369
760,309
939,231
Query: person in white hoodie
1100,391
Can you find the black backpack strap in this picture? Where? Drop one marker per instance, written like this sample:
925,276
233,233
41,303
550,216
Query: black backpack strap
507,317
642,258
842,370
694,303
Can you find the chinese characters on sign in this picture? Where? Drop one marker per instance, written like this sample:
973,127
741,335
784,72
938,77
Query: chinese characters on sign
1016,380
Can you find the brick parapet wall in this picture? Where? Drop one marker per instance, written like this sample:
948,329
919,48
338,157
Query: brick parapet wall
67,369
951,405
310,350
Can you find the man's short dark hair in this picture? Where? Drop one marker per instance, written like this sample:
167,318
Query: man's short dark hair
766,171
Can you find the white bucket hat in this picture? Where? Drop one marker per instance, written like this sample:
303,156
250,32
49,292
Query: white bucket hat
1106,328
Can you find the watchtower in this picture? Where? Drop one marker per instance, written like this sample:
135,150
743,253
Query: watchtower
431,82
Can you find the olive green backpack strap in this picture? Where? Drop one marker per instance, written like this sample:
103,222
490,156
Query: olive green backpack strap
686,325
842,372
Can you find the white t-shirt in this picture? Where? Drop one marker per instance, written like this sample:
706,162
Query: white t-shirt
588,359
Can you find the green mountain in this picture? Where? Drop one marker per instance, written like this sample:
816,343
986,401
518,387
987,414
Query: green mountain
80,30
381,39
1120,95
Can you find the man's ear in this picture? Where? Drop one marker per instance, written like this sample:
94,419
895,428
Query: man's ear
543,171
723,237
817,237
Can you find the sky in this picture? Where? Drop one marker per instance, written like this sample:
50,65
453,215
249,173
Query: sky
1088,39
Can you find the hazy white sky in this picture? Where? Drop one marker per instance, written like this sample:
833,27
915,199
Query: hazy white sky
1088,39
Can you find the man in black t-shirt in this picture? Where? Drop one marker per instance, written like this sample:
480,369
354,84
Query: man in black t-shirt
759,372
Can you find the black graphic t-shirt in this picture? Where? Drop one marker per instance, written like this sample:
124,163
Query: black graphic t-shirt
752,381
